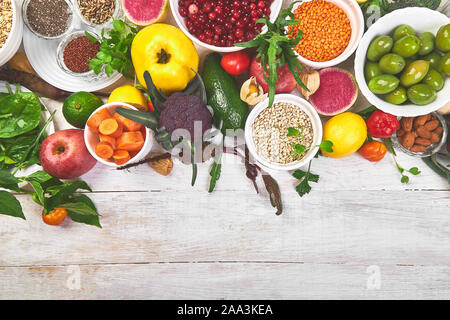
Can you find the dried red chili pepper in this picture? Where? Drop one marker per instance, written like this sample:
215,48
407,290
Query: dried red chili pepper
382,125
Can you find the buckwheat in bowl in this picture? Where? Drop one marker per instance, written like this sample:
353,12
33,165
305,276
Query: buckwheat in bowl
285,136
11,30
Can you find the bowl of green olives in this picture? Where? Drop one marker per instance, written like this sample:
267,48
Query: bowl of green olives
402,64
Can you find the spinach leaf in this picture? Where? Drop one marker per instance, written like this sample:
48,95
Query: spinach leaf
10,205
82,209
19,113
8,181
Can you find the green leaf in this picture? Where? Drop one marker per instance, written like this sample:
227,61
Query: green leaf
63,193
292,132
298,148
91,37
215,172
10,206
8,181
145,118
415,171
299,174
81,209
366,113
326,146
303,188
404,179
119,25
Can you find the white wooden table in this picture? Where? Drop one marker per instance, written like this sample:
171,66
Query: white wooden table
359,234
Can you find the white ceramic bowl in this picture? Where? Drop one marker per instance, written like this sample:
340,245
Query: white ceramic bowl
275,10
304,106
421,19
91,138
355,15
14,40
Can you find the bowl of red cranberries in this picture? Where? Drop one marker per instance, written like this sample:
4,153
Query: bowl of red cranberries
218,24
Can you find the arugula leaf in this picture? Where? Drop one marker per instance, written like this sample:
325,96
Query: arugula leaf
10,205
81,209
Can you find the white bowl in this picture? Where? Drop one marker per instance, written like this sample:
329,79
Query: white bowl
355,15
14,40
304,106
275,10
421,19
91,138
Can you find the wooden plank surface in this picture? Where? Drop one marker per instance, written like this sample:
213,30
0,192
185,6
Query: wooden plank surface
360,233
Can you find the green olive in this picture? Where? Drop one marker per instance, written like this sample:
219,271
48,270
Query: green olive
398,96
434,59
444,66
379,47
434,79
407,46
421,94
383,84
392,63
403,30
443,38
414,73
371,70
426,43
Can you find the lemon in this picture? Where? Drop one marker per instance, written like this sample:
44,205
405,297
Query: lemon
128,94
347,131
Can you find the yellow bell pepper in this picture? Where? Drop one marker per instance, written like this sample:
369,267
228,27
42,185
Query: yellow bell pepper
168,54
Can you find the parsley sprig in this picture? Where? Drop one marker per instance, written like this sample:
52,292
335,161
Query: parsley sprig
115,50
299,149
275,48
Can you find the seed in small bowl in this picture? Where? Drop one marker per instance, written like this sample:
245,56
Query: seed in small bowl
97,11
6,20
78,52
270,133
48,18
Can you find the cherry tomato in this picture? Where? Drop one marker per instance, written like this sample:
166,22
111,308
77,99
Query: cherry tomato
373,151
56,217
235,63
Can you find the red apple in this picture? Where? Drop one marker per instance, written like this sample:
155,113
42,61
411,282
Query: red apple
65,156
286,81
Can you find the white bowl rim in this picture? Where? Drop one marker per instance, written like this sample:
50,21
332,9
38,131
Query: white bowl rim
342,57
147,144
15,25
304,106
277,3
360,59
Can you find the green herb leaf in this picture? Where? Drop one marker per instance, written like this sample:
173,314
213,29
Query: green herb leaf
415,171
292,132
216,170
63,193
8,181
81,209
10,205
326,146
303,187
404,179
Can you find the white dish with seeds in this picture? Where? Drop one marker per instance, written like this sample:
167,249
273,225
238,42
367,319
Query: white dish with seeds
266,132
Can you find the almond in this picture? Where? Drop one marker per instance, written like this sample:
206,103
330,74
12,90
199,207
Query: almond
423,142
431,125
417,148
163,166
407,123
424,133
420,121
438,131
435,137
408,140
400,133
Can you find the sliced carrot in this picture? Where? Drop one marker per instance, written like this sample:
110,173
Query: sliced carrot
111,127
129,125
108,139
104,150
121,157
96,119
133,154
130,141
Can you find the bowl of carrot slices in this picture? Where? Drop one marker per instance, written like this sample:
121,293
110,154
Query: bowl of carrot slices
115,140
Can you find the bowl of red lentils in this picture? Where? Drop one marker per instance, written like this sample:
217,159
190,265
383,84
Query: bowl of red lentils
11,29
332,30
74,52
